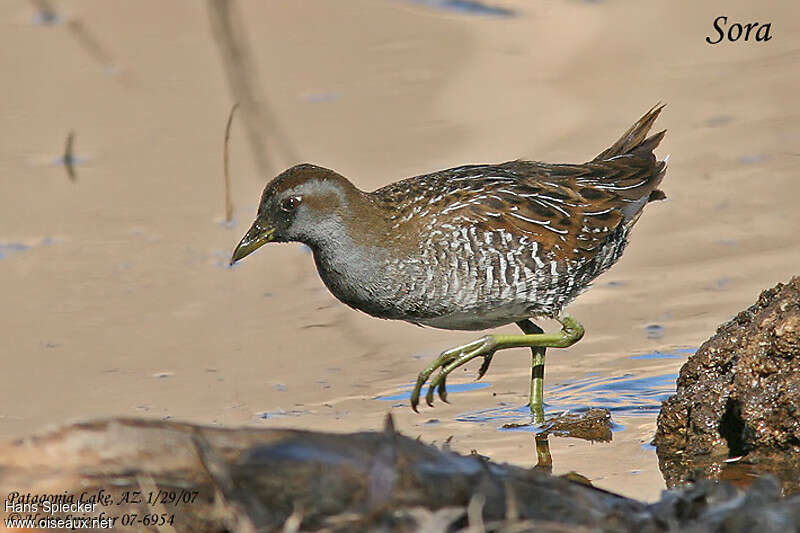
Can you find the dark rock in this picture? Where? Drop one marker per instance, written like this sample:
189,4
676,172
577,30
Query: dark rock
736,412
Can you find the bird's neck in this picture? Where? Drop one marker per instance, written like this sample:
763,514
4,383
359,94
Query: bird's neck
354,253
353,272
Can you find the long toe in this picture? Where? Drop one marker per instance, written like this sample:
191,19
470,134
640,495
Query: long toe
429,396
442,389
421,379
487,360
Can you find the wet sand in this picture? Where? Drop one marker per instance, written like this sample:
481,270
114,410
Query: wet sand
117,299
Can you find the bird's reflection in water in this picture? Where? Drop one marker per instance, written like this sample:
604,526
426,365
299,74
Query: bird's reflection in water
594,425
544,461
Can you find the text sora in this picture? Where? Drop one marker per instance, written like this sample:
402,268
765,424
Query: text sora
735,31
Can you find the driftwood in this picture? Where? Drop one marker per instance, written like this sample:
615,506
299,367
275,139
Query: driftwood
147,475
214,479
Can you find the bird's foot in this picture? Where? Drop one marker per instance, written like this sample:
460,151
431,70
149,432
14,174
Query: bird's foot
448,361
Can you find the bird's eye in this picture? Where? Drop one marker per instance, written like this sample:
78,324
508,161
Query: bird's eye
290,204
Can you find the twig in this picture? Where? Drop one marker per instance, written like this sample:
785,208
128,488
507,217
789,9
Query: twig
69,157
228,201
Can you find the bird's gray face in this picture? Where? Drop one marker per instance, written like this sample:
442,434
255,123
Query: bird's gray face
297,206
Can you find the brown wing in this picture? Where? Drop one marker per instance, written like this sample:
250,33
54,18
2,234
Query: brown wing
572,209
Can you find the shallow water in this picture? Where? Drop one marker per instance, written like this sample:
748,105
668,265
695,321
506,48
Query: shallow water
133,310
623,395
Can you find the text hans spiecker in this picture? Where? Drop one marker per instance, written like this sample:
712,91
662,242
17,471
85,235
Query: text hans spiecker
86,502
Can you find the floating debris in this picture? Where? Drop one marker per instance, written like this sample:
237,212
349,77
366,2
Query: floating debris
594,425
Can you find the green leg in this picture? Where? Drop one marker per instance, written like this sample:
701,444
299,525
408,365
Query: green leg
571,332
535,403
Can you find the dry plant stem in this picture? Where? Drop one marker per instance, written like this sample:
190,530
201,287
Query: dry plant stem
241,73
69,156
225,159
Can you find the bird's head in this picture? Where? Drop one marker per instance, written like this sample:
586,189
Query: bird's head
305,203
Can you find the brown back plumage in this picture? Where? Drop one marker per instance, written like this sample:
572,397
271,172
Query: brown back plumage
567,208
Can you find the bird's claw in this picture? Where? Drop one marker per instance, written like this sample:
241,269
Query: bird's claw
446,363
443,389
437,385
487,360
421,379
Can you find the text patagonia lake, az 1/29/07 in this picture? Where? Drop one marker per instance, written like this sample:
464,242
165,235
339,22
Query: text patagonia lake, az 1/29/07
100,496
736,31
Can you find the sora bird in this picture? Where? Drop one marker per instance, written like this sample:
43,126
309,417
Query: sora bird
472,247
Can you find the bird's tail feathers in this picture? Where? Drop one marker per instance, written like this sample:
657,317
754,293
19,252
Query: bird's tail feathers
635,139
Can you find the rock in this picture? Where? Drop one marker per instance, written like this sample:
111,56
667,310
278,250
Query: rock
736,412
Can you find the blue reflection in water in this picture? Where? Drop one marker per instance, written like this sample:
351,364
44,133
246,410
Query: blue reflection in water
9,248
680,353
471,7
458,387
625,395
